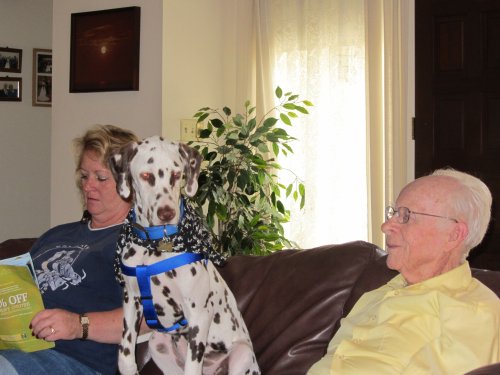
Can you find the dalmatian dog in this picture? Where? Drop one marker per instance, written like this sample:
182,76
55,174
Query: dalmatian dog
166,266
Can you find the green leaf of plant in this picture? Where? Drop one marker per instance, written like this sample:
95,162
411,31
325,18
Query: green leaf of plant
262,147
269,123
302,110
220,131
216,122
276,149
227,111
238,120
278,92
285,119
203,117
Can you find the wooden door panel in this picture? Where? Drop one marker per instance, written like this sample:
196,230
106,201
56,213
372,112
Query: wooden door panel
457,98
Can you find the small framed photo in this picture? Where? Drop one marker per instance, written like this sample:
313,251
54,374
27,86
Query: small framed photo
42,77
11,60
11,89
104,53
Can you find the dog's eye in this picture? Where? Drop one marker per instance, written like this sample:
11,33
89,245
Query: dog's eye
145,176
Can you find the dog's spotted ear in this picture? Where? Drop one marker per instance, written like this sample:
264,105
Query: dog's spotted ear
119,164
192,163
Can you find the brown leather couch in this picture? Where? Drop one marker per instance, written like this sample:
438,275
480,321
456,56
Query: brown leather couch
293,300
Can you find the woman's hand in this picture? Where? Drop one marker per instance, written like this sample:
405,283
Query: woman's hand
56,324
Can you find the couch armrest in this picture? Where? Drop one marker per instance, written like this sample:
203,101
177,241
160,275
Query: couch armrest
16,246
486,370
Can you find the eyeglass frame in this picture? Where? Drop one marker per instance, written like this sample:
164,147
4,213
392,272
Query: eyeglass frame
391,212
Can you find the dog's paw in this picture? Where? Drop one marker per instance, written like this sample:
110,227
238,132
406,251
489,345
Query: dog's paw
128,369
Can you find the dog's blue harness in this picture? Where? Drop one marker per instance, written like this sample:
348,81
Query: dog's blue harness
144,272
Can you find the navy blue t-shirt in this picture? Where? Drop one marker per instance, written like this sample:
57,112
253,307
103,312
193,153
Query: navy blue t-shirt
74,266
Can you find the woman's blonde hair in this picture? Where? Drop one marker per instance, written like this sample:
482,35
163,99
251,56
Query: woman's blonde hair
103,141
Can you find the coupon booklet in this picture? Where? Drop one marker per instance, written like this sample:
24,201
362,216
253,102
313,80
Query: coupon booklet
20,300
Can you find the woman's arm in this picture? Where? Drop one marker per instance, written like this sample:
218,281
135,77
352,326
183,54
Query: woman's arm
57,324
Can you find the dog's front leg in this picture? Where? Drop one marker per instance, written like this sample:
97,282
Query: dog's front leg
197,341
132,316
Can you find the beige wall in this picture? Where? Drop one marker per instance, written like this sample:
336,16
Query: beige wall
25,130
72,113
188,60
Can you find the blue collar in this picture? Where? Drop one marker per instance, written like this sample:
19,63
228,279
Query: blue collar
156,232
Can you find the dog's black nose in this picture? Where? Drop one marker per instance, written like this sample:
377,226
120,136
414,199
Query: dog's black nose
165,213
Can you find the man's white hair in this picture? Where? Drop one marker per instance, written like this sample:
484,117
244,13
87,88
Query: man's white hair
472,203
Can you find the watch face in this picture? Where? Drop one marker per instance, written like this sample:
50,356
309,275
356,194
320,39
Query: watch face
84,320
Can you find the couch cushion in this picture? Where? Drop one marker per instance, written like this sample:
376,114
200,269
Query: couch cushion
292,300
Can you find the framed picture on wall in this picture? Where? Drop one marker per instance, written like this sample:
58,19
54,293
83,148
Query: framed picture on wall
11,89
11,60
42,77
104,52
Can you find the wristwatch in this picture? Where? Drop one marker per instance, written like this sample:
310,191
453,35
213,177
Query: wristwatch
85,322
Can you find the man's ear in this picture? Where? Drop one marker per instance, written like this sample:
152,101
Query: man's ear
459,232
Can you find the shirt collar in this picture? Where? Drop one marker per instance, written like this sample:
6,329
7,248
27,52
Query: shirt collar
456,278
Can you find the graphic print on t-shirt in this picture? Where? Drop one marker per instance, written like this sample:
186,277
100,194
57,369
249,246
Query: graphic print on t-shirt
57,270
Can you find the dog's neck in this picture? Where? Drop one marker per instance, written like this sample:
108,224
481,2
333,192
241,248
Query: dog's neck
156,232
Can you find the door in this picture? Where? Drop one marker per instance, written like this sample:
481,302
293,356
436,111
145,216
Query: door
457,99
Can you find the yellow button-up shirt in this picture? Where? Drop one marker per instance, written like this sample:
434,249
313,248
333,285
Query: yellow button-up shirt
449,324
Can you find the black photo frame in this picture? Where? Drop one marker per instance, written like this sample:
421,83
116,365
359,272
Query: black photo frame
11,89
104,52
11,60
42,77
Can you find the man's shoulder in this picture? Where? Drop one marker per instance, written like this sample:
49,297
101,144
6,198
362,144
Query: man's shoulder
484,295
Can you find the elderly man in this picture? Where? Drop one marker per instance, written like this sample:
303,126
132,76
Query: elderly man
434,317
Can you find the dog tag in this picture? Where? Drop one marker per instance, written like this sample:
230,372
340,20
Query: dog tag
165,246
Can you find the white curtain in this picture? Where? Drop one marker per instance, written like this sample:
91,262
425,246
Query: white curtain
346,56
316,49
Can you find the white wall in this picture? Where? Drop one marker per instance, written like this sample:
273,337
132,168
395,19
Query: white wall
25,130
139,111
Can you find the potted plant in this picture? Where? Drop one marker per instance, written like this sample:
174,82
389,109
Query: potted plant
239,193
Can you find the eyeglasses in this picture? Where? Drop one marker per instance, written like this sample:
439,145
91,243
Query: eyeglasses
402,214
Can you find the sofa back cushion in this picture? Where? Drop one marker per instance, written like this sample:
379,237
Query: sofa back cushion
293,300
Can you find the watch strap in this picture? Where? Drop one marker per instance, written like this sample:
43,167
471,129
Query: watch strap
84,322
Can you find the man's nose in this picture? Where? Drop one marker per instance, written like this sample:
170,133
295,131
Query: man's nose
389,225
